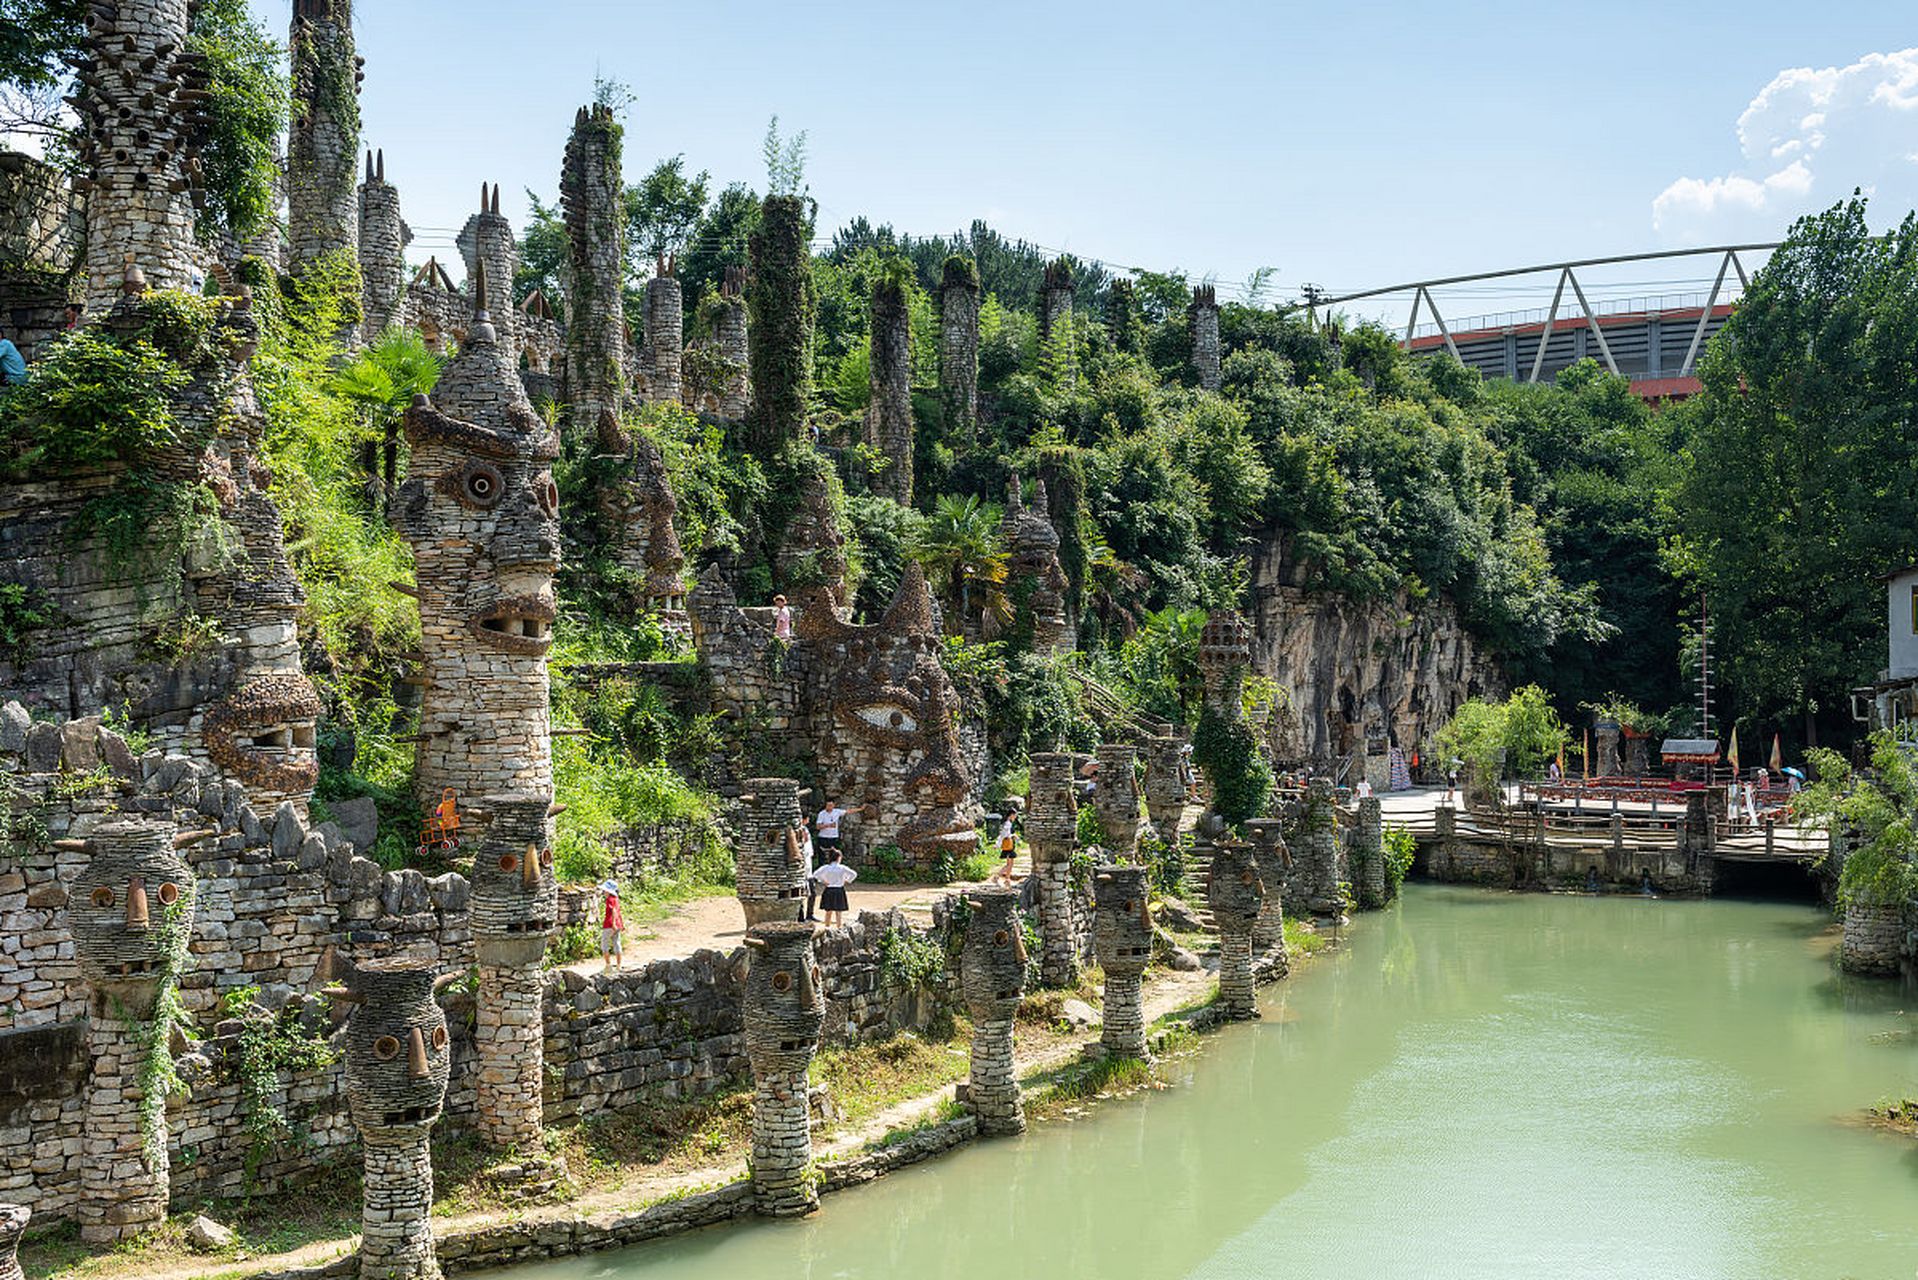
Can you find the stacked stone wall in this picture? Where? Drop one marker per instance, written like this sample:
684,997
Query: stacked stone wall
959,348
1874,939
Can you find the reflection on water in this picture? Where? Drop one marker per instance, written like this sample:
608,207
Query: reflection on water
1479,1086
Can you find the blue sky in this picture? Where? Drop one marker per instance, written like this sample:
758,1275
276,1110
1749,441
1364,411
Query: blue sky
1351,145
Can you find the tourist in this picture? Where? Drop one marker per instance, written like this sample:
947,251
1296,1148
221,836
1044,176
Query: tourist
13,366
826,828
74,311
806,858
1008,849
612,923
782,620
1451,777
1364,790
835,876
1187,774
1552,772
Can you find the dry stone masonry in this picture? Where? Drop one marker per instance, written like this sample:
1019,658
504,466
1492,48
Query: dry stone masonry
1055,317
665,317
959,346
1204,318
141,100
1034,577
382,247
487,245
889,411
1165,786
636,503
1052,828
1368,853
1274,861
784,1010
771,871
1123,931
1314,881
1235,891
131,912
515,908
323,148
481,511
1116,800
993,976
590,198
397,1061
729,335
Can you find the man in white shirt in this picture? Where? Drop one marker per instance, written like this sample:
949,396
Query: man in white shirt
826,827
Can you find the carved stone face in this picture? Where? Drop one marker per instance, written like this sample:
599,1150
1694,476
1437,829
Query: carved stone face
993,962
127,909
482,511
397,1055
1052,817
1234,888
785,998
1122,923
263,733
515,891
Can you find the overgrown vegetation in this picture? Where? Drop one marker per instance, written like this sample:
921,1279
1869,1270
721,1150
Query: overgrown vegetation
1875,814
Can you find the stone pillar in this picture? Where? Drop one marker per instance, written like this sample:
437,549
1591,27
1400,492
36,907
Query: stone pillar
1204,317
1055,315
784,1010
590,196
993,976
1225,650
729,331
481,512
486,241
1637,757
515,907
1165,786
638,507
1033,570
1606,734
324,140
1274,862
1052,830
130,912
383,238
1235,892
1122,931
1368,853
396,1066
771,870
959,346
1873,940
141,100
665,333
1116,800
1123,321
1316,868
780,307
13,1225
889,411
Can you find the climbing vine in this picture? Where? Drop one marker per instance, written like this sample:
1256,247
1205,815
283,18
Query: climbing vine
1240,775
268,1043
910,959
779,332
159,1080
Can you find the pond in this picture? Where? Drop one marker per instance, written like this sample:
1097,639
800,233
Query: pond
1477,1085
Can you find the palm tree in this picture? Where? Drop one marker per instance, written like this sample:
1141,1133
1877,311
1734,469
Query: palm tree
381,380
1116,588
959,548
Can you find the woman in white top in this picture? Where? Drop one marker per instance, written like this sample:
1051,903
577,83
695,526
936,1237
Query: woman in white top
782,620
1008,849
835,875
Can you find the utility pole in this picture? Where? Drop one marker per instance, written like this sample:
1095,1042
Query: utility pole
1313,295
1704,669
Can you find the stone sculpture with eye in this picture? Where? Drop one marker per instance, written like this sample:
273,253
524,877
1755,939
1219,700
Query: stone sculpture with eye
783,1011
993,976
130,908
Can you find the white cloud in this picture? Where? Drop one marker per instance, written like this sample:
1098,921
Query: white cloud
1807,139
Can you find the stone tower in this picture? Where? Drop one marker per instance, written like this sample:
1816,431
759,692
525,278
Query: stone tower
397,1062
665,333
1123,321
1204,318
638,506
590,194
780,303
1116,800
959,346
729,332
1225,649
1034,576
1234,891
515,906
487,241
1052,831
1275,861
813,548
784,1009
1165,786
1314,882
993,976
142,100
1368,853
383,238
1055,315
481,511
771,873
1122,931
130,912
324,140
1606,735
889,412
13,1225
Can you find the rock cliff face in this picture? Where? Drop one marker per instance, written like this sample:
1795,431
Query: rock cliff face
1374,673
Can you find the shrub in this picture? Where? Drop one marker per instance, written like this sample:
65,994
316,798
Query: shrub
91,402
1240,775
1401,846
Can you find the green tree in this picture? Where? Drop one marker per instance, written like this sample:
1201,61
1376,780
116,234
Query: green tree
662,211
1801,484
964,559
1878,813
246,106
380,381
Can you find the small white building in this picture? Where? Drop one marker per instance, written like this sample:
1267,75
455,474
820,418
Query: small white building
1891,702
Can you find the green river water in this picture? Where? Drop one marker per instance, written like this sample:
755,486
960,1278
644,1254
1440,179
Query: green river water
1477,1085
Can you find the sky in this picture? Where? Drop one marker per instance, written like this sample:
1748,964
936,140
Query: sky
1348,145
